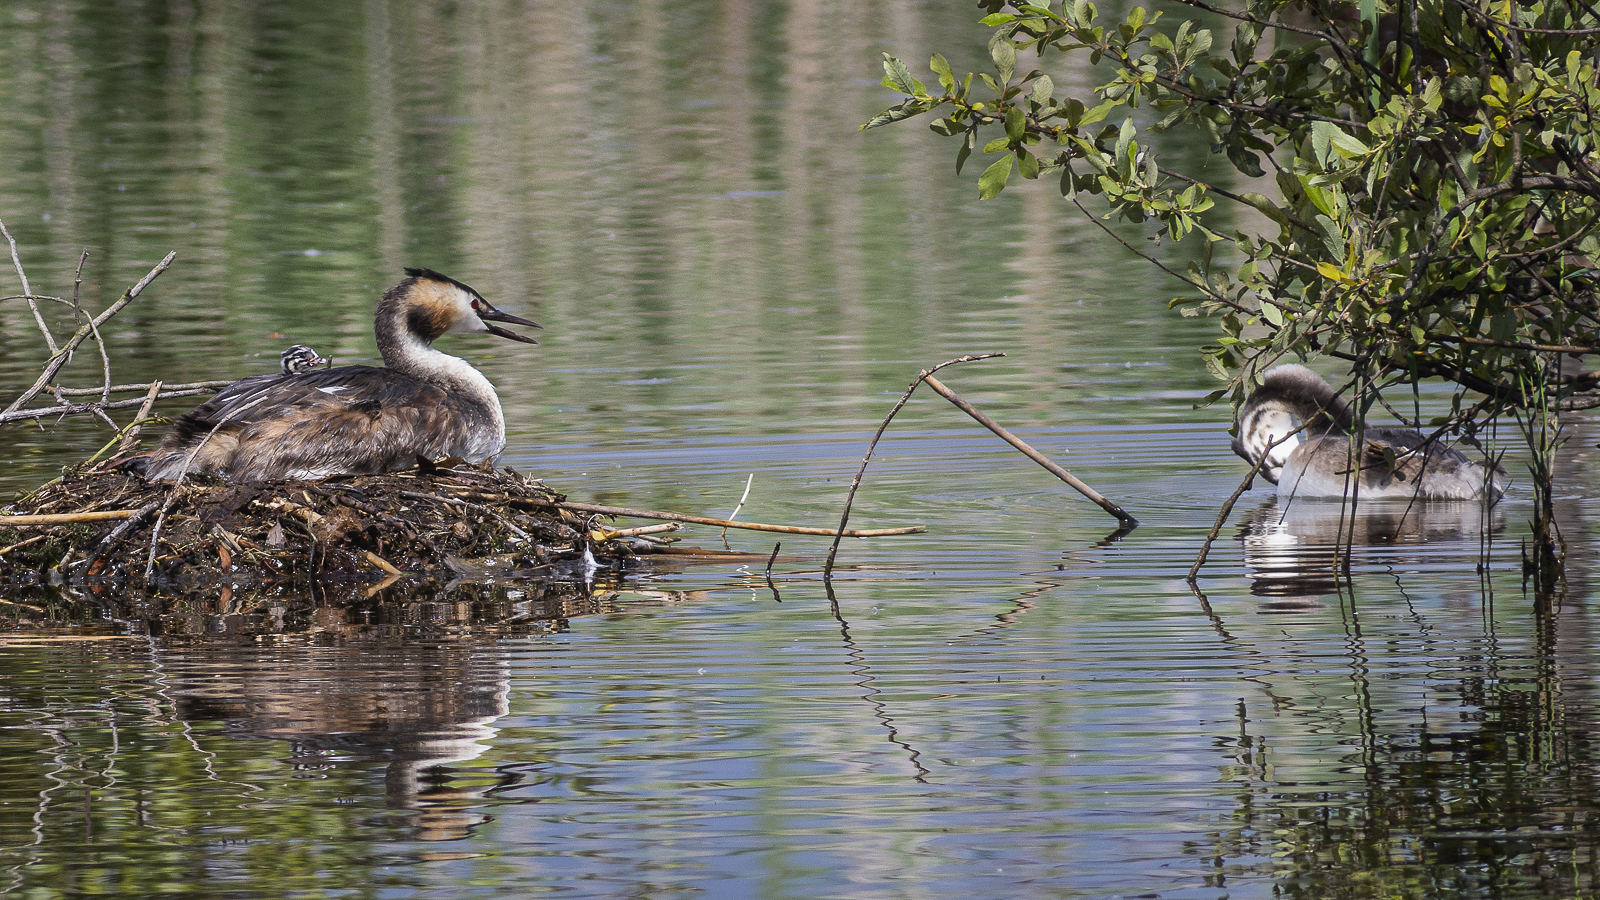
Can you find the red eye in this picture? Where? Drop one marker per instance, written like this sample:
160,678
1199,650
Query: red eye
474,304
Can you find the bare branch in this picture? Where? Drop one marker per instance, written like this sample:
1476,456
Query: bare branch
27,292
59,358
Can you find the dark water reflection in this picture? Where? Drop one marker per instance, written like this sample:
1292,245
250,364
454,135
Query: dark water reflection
901,739
732,280
1295,554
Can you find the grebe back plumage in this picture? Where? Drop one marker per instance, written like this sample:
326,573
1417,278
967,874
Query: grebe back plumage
1394,463
355,420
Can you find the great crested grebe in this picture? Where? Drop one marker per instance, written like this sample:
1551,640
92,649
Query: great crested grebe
355,420
1321,461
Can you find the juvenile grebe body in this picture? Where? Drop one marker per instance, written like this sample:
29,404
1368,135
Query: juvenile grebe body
354,420
1326,458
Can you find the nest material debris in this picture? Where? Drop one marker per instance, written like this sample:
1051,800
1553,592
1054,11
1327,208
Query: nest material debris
432,523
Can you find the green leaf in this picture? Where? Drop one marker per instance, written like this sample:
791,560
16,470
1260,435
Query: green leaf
947,79
1272,314
1042,89
996,145
1027,164
964,152
1245,161
1198,45
1319,198
1347,146
896,113
993,179
1004,54
1098,113
1016,124
897,77
1266,207
1124,140
998,19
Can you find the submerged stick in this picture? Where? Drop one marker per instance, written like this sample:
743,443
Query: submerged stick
703,520
1227,507
855,483
1029,452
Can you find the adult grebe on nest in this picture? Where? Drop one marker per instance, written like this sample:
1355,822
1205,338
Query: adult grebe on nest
355,420
1395,463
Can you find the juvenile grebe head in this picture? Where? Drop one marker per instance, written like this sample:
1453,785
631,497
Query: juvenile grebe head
301,358
1330,457
1289,396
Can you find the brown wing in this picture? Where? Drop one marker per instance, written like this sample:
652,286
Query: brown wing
348,420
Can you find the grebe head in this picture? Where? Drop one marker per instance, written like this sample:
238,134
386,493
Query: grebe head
1288,397
301,358
428,304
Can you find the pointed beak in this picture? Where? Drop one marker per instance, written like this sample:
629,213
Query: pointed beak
489,314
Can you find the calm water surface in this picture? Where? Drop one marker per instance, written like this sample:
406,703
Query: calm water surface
733,281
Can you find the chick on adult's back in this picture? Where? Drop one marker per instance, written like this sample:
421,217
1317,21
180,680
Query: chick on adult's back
1326,458
355,420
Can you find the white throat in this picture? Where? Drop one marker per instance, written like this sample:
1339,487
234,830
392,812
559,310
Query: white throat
411,355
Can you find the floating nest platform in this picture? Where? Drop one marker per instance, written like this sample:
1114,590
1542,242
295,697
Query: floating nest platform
105,529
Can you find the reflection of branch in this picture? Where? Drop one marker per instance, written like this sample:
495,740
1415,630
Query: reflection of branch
862,670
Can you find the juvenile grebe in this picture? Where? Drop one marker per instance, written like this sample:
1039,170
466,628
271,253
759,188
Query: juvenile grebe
296,359
300,358
354,420
1395,463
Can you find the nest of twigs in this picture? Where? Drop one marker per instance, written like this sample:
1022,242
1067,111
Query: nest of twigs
109,527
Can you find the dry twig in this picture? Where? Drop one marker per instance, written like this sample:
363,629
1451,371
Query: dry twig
1036,456
59,358
1227,507
855,483
703,520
